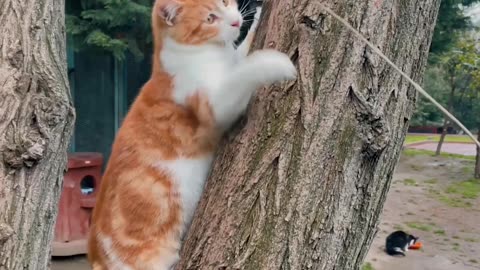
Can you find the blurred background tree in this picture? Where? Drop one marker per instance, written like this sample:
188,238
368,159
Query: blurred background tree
427,114
450,22
116,26
121,26
453,72
452,26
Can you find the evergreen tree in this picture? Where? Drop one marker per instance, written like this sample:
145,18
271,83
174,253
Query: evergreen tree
450,22
116,26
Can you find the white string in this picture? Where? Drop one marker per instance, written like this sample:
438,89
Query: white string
416,85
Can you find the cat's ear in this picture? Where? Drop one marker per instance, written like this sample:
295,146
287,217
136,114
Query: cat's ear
168,10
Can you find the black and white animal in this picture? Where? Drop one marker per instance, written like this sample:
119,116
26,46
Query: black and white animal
249,11
398,243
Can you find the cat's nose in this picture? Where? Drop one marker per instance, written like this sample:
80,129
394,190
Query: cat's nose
236,24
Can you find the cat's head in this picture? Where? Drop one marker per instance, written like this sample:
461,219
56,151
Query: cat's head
195,22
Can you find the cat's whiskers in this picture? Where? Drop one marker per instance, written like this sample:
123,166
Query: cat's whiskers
245,5
249,12
206,87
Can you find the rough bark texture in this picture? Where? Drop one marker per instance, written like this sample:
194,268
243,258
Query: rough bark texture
303,183
477,160
36,121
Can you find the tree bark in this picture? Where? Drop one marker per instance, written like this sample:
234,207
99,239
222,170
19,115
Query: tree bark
446,121
477,159
303,183
36,122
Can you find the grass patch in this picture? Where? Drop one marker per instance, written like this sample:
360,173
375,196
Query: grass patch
469,189
419,138
426,227
416,152
454,202
457,139
471,240
413,138
420,152
420,226
473,261
468,169
432,181
410,182
368,266
450,199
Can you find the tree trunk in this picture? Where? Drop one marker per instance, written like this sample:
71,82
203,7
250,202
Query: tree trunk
477,159
303,184
446,121
36,122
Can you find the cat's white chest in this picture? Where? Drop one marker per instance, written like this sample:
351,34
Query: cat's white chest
189,176
195,68
197,77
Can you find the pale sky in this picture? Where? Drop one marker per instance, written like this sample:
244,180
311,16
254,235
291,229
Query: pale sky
474,12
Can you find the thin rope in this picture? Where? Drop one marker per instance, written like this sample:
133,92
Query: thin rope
416,85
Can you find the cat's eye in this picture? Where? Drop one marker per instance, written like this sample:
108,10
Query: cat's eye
225,2
211,18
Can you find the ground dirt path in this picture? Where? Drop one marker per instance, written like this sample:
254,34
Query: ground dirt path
427,199
418,202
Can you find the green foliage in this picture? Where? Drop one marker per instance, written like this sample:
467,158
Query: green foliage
435,83
446,68
451,21
453,80
467,102
116,26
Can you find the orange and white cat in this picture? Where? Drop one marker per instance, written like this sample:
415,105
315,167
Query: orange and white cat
162,154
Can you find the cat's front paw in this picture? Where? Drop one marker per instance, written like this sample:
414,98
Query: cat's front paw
273,66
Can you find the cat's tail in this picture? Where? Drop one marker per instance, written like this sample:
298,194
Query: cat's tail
396,252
